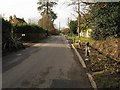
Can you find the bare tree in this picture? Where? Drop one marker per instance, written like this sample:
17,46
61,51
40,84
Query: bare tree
81,8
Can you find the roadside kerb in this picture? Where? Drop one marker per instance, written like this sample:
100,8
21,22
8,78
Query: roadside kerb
80,58
92,81
84,66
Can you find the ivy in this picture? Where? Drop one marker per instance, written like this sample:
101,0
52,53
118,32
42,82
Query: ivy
105,19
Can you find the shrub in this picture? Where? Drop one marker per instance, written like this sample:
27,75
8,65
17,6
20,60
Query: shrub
25,28
32,32
105,19
6,26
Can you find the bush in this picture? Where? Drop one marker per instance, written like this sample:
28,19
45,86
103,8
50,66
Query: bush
6,30
73,27
9,43
6,26
25,28
105,19
32,32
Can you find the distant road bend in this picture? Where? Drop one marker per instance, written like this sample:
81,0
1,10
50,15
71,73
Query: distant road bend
51,64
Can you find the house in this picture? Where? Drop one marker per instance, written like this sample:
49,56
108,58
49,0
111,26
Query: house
86,33
14,20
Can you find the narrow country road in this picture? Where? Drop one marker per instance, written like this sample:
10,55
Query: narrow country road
50,64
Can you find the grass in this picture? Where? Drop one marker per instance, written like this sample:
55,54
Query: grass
105,81
82,39
102,69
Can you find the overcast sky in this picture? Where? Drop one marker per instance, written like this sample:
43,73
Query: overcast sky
27,9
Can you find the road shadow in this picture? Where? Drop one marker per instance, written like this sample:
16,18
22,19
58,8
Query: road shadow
68,84
14,59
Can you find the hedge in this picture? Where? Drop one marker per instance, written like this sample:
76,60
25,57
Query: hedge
26,28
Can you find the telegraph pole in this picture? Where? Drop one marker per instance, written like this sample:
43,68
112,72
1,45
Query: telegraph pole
68,22
59,26
79,21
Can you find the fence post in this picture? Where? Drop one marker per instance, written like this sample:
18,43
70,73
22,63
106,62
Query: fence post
87,50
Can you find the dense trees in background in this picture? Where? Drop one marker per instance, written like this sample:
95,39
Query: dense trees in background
48,15
65,31
6,28
82,19
73,27
8,42
85,21
12,35
28,32
26,28
46,7
102,17
46,23
105,20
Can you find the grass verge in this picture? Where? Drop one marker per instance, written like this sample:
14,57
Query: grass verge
82,39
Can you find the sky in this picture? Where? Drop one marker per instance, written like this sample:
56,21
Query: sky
27,9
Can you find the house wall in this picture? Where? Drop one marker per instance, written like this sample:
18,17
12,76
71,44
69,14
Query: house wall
86,33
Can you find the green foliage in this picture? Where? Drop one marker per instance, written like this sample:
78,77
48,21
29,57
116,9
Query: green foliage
83,39
48,15
105,19
85,21
53,15
26,28
47,7
73,27
6,30
46,22
6,26
9,43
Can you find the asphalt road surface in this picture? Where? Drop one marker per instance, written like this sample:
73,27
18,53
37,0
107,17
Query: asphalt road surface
48,64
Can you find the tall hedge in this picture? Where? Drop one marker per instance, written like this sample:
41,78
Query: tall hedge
73,27
26,28
6,26
105,20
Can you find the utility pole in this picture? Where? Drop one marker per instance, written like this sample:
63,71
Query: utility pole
68,20
78,29
59,26
48,15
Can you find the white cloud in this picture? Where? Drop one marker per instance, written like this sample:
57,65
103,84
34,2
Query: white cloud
22,8
28,9
64,12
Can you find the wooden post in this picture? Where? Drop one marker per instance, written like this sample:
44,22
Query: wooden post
79,22
87,50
